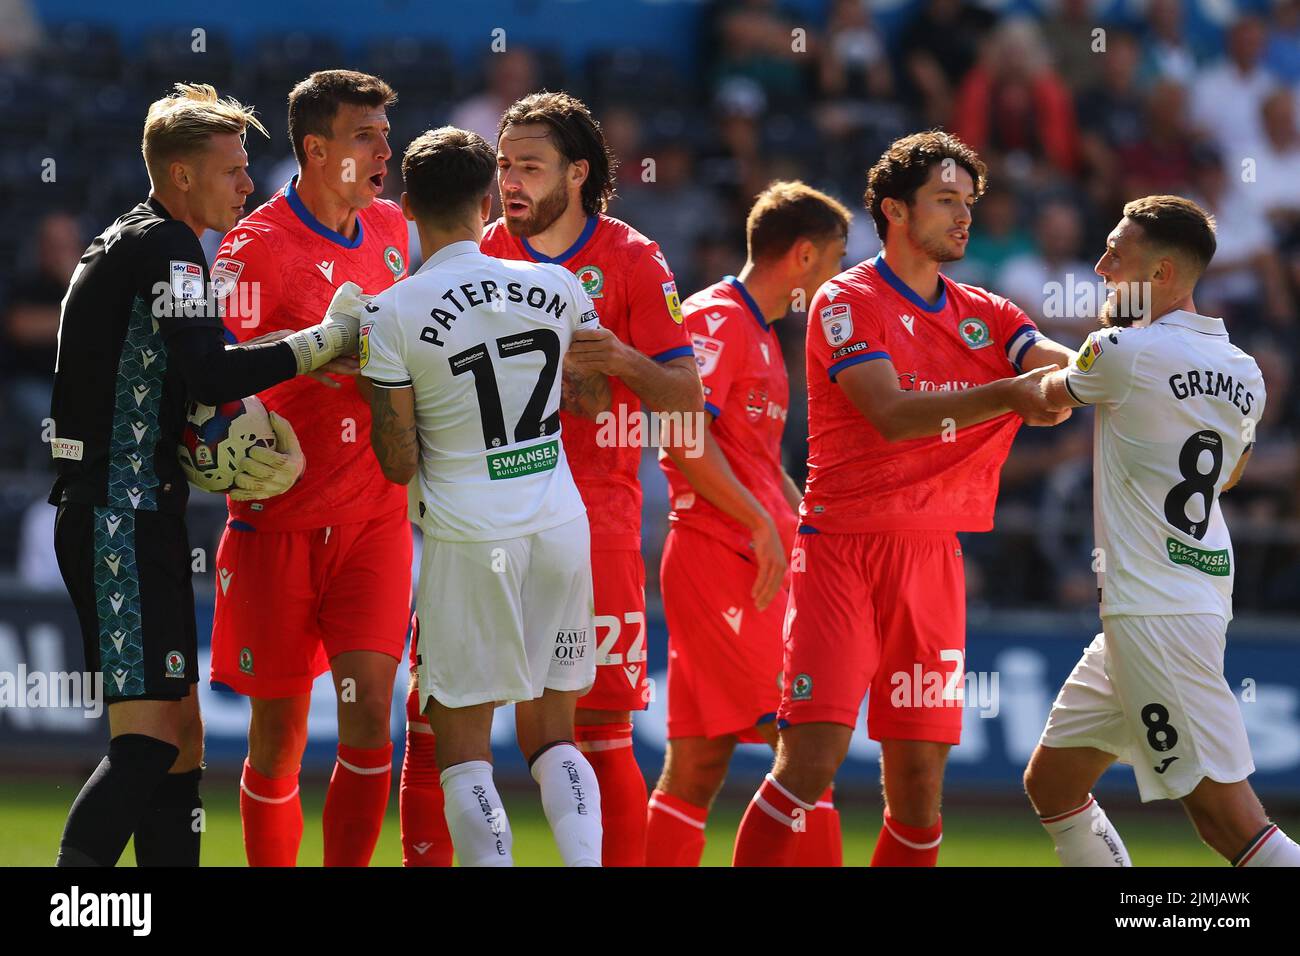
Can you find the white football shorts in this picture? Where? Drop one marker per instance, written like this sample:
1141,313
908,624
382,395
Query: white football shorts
1150,690
505,620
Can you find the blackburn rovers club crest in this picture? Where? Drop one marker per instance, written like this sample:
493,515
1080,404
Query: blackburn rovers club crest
175,662
593,281
801,689
974,333
393,259
246,660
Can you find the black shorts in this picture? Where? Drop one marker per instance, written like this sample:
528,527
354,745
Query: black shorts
128,573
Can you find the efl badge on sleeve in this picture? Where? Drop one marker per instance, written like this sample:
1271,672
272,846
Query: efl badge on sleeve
674,301
187,281
1088,353
225,273
837,324
707,352
363,350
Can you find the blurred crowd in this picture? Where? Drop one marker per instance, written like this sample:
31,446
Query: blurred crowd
1074,114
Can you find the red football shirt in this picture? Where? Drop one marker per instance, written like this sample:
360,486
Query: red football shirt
747,392
858,481
278,269
635,294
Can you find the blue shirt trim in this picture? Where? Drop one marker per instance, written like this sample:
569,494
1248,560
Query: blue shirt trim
713,410
807,529
237,525
844,363
569,253
903,289
315,225
674,353
749,301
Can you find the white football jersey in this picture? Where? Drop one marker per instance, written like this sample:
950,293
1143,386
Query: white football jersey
481,341
1177,405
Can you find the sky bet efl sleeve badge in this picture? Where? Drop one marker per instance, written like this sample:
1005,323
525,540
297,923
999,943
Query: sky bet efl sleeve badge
707,352
363,349
187,281
837,324
674,301
1088,353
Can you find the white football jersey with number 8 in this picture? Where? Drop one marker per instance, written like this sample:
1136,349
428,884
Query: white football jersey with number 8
1177,406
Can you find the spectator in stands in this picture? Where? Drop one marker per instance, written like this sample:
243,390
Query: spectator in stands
1282,54
1161,161
755,42
20,29
1045,282
673,206
1277,173
31,321
1014,109
511,75
854,62
936,50
1111,112
1168,54
1070,34
1245,282
996,237
1226,97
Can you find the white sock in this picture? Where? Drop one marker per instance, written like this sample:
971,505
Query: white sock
1085,837
571,799
1271,848
479,829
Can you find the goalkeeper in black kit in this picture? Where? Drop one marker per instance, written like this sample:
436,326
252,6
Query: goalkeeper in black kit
141,336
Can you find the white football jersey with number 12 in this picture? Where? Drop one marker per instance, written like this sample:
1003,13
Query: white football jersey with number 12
1177,405
481,341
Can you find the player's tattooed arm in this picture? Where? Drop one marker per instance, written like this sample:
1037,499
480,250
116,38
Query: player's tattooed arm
672,386
585,393
392,432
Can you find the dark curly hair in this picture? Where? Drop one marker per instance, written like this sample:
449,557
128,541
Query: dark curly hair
905,166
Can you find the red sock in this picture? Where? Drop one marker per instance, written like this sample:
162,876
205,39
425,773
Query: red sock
770,832
271,813
674,833
356,802
425,840
901,845
623,798
822,844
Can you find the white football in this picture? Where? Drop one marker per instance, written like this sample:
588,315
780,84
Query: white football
216,439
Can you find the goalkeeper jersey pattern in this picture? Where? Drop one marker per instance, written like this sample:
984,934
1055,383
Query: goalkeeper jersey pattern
1177,406
482,341
118,404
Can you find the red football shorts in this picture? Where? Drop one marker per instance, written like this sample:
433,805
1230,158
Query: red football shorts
883,613
618,582
289,601
724,655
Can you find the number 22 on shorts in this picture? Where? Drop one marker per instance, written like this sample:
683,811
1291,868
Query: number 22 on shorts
605,653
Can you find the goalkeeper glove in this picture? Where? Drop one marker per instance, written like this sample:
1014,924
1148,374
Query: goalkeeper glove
265,473
337,334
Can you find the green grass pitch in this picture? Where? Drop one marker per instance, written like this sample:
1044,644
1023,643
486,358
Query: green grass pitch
32,811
